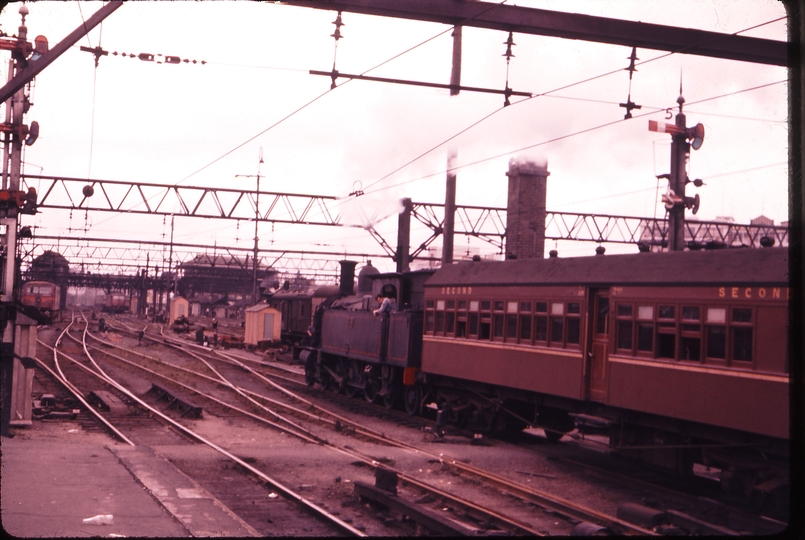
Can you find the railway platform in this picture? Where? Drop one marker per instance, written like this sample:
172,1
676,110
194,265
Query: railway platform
55,476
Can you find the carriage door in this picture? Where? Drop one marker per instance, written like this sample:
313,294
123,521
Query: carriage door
599,347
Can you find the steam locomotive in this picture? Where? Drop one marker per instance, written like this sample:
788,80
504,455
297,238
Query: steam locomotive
681,357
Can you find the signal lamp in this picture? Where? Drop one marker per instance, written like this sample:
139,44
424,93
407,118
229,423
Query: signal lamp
33,133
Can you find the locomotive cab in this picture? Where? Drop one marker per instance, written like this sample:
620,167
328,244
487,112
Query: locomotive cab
366,352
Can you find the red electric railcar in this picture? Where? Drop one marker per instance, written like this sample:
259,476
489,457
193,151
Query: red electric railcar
43,295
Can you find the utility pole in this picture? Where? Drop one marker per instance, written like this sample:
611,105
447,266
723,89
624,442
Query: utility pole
171,277
256,222
675,200
18,331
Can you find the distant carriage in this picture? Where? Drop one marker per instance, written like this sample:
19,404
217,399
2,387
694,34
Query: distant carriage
297,308
43,295
115,302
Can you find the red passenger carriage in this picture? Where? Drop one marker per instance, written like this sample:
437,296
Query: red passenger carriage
683,355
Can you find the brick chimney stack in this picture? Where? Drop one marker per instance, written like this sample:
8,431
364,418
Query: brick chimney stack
525,219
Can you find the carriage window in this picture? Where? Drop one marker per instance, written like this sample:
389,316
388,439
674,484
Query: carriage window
717,333
440,304
473,323
557,330
498,326
450,321
573,323
525,307
716,342
451,304
439,322
645,329
429,320
541,322
485,325
624,326
742,334
511,325
429,304
525,328
690,338
603,315
511,307
645,337
666,332
473,305
557,324
461,319
461,328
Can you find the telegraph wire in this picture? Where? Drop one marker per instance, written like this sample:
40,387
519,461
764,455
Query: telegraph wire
562,137
547,94
319,97
328,91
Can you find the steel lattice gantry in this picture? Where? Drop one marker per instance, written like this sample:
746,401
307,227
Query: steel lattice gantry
485,223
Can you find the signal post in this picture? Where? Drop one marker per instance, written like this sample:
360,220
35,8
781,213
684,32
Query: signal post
675,200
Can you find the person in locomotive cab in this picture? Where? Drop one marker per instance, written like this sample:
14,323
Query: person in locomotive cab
387,305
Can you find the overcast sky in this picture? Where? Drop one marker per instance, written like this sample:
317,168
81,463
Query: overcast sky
147,122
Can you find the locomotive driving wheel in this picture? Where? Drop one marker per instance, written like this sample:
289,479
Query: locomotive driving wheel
371,385
413,399
352,377
390,398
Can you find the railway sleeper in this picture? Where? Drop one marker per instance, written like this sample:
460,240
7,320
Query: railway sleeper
186,408
429,519
108,402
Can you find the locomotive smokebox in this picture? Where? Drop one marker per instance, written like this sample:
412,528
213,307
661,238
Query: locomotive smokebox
347,278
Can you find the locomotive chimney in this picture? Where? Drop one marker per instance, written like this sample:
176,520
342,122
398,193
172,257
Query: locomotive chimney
347,278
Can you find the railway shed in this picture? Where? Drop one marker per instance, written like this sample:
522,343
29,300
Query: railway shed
263,324
179,308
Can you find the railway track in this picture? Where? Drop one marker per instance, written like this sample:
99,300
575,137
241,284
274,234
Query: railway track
304,409
100,375
320,415
697,498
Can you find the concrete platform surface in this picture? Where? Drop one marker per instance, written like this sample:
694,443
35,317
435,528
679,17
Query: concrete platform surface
193,506
55,475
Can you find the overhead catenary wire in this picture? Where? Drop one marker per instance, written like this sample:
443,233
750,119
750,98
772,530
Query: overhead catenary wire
546,94
274,125
562,137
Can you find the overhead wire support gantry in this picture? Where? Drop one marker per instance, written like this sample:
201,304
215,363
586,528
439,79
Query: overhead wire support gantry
542,22
485,223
